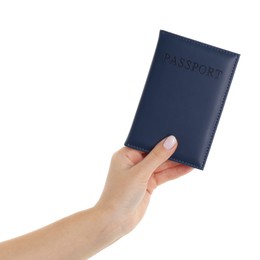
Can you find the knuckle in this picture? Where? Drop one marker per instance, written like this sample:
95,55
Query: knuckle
115,155
118,154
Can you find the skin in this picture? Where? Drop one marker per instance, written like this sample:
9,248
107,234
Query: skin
131,180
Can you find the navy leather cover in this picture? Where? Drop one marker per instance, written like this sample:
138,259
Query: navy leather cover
184,95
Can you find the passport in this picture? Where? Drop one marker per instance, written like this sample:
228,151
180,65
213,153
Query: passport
184,95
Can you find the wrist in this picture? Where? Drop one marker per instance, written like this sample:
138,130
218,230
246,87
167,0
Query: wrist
115,221
109,225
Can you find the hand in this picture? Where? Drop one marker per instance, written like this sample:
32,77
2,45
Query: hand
132,178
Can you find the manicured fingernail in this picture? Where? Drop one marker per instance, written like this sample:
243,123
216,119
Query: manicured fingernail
169,142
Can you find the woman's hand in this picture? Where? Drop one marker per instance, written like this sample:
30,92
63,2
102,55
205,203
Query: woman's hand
132,178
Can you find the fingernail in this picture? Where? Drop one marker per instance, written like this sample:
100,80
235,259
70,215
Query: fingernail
169,142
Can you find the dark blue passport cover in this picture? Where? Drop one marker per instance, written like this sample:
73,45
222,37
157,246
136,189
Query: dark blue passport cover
184,96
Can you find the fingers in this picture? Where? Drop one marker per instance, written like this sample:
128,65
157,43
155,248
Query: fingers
135,156
172,173
131,156
166,165
160,153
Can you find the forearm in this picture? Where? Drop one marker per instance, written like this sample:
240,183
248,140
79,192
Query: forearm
78,236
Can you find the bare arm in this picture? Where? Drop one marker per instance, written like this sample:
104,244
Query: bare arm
75,237
131,180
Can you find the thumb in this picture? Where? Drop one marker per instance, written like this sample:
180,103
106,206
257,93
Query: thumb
160,153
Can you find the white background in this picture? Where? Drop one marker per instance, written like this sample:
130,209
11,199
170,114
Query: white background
71,75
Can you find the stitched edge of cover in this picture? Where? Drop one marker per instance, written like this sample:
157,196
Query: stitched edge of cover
191,41
172,158
221,109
